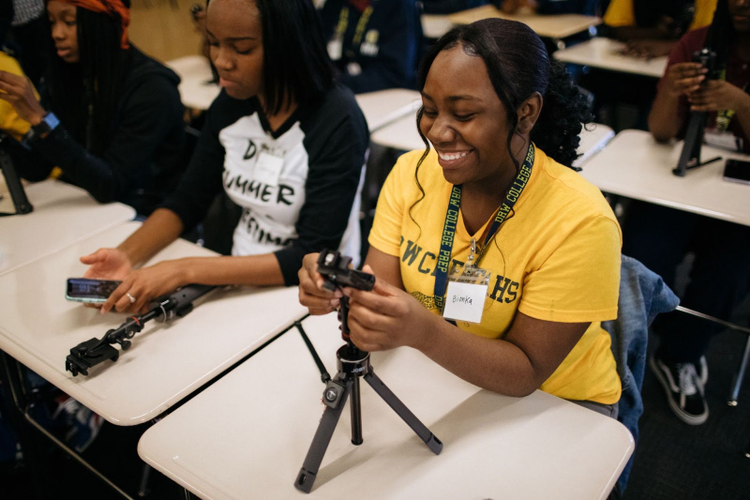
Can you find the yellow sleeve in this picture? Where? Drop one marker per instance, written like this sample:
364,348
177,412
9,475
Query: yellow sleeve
10,122
704,13
385,234
620,13
579,281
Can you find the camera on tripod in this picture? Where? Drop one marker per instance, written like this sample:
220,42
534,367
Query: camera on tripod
336,269
707,59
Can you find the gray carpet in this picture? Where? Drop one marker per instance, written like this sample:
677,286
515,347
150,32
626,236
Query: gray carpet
676,461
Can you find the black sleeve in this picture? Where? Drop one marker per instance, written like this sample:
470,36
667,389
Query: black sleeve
201,182
333,176
395,63
147,117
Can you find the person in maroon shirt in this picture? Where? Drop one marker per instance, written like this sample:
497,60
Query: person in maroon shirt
661,237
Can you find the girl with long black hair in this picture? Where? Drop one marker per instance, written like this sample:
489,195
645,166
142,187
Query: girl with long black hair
495,196
110,117
285,142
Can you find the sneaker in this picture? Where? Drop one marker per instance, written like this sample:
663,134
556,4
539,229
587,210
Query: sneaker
81,425
684,388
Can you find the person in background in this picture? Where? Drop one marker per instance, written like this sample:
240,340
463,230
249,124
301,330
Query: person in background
29,34
651,28
10,122
285,141
661,237
449,6
110,117
374,44
494,198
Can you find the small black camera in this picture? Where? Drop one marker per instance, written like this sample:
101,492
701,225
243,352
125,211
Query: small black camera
335,269
707,59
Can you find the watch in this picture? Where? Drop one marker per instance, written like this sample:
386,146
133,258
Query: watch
47,125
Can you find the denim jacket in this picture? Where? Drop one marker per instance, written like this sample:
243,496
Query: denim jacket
643,295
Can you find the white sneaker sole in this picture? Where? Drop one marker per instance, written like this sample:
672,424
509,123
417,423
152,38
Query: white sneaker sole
679,412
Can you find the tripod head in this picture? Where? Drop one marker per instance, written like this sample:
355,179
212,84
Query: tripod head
337,272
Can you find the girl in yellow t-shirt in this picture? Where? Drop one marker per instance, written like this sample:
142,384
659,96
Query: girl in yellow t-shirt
544,239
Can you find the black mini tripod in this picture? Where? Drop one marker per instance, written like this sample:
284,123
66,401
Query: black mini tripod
353,363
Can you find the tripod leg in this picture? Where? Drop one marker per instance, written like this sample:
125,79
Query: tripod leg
334,397
432,442
356,411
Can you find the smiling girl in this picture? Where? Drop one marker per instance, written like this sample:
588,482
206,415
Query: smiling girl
283,140
494,194
110,117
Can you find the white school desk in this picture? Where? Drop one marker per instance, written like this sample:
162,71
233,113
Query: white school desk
166,362
634,165
197,88
246,436
606,54
380,108
402,134
553,26
63,214
383,107
435,25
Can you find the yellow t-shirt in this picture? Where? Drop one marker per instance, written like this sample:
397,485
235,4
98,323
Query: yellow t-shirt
10,122
621,13
558,260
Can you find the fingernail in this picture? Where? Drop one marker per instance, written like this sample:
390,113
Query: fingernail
335,303
338,294
347,292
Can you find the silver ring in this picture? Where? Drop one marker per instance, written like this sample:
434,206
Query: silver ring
132,299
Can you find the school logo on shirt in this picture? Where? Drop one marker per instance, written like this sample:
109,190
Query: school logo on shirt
502,289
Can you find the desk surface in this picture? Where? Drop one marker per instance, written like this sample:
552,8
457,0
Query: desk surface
250,431
63,214
402,134
166,362
387,106
435,25
548,26
605,54
380,108
634,165
197,88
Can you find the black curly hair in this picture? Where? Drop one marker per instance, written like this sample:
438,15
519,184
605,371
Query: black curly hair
518,65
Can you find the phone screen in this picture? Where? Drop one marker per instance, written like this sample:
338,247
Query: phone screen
90,290
737,171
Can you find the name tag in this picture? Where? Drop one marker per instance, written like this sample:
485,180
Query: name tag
268,168
464,297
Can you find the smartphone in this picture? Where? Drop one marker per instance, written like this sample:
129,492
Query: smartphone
737,171
90,290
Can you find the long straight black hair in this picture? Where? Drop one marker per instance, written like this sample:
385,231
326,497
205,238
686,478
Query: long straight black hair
721,34
85,95
296,66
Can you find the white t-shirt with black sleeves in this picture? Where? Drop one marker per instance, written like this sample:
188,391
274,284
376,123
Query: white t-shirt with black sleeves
299,186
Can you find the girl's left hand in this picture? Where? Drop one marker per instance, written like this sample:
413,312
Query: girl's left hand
18,91
145,285
387,317
719,94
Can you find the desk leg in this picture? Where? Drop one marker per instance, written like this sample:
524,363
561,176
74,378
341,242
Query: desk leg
33,454
740,375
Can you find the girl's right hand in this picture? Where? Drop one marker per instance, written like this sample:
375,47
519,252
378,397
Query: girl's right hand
107,263
684,78
312,295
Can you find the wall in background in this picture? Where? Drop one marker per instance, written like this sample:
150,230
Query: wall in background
164,29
